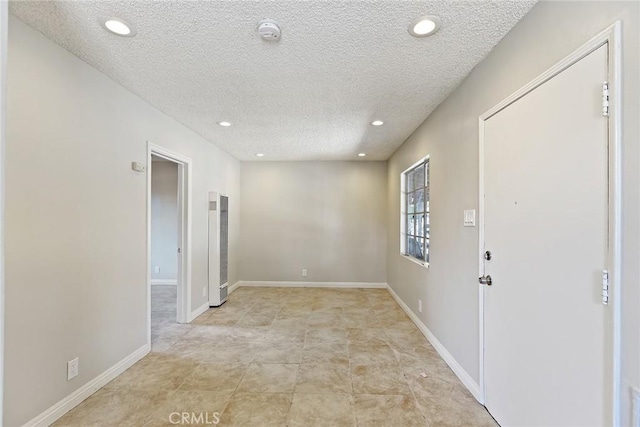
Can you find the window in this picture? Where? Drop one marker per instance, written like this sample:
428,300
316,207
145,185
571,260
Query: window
415,212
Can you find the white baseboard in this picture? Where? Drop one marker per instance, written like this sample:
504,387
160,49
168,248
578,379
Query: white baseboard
172,282
56,411
232,288
198,311
463,375
352,285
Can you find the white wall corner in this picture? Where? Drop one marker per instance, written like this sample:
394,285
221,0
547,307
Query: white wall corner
460,372
198,311
233,287
56,411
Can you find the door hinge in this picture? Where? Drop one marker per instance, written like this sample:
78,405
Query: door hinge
605,99
605,287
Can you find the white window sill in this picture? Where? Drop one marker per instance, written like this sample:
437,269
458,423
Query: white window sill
415,261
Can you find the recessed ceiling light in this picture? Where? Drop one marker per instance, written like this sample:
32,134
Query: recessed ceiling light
424,26
118,27
224,124
259,155
377,122
362,154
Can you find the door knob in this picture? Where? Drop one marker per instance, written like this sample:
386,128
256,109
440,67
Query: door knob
485,280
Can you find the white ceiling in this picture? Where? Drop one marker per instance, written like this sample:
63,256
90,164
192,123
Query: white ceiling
311,96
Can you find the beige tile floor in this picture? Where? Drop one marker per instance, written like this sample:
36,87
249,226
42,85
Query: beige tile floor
286,356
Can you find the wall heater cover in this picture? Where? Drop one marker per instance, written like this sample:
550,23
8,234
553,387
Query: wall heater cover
218,248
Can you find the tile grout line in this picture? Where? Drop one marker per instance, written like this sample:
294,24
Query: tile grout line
404,373
353,390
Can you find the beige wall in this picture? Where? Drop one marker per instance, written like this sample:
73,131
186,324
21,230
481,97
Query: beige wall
164,220
76,220
449,288
327,217
76,226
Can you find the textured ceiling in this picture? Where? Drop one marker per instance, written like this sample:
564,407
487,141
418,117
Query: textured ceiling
311,96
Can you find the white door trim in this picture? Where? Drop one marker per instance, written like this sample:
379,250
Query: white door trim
4,16
611,36
184,282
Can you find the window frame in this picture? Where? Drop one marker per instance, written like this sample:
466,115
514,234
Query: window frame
404,214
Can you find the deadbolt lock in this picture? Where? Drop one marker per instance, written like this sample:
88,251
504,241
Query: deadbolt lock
487,255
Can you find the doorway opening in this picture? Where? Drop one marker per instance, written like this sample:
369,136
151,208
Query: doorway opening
168,239
164,242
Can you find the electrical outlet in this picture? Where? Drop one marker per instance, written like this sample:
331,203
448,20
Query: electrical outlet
420,305
204,291
304,272
157,269
72,368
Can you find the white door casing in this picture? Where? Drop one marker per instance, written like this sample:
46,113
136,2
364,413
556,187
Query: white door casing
4,14
549,176
184,232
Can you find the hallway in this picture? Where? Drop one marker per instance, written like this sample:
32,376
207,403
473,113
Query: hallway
286,356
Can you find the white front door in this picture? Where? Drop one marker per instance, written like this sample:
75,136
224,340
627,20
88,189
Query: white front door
546,337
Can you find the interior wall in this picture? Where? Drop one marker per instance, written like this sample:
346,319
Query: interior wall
76,267
449,288
164,221
326,217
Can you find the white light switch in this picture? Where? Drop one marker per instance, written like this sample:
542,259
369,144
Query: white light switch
470,218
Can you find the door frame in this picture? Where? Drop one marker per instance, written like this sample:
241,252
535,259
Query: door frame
184,231
611,36
4,21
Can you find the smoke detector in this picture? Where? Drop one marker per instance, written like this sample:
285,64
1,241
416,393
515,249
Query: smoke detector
269,30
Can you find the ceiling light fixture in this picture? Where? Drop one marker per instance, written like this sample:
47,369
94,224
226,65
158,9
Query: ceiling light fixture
118,27
259,155
362,154
377,122
224,124
424,26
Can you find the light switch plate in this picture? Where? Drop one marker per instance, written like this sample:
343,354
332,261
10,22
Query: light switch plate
470,218
138,167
